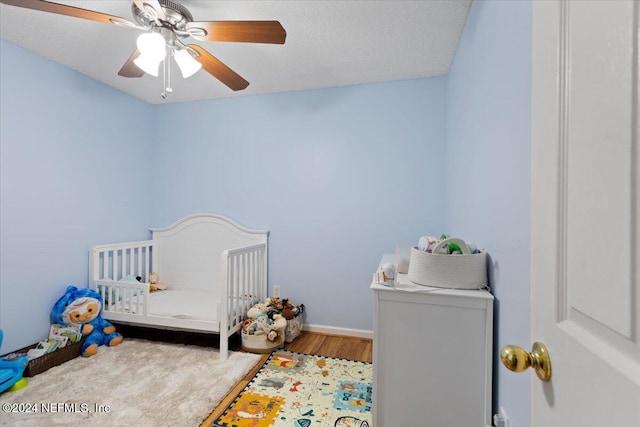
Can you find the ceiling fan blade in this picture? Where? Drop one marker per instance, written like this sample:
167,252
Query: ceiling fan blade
130,69
219,70
238,31
152,7
62,9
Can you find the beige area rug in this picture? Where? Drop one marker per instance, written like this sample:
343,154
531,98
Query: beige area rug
140,383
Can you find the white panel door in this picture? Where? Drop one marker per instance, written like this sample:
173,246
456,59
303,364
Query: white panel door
585,207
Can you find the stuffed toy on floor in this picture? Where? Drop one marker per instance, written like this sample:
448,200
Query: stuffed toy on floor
83,307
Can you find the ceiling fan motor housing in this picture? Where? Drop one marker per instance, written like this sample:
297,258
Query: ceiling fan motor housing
176,16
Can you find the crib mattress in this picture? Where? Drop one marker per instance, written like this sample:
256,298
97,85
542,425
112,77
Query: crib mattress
184,304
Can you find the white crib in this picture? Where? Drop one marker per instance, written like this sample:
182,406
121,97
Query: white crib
215,270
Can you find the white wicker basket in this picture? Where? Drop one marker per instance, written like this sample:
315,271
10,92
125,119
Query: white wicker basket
260,343
465,271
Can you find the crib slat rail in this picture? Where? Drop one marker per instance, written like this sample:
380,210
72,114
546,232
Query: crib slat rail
244,270
123,297
110,264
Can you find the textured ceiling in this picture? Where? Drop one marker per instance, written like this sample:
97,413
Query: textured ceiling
329,43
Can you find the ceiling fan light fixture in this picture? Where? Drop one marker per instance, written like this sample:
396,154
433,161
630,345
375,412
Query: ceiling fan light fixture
153,49
188,64
153,45
148,63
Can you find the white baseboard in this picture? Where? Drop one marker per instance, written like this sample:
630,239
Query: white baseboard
332,330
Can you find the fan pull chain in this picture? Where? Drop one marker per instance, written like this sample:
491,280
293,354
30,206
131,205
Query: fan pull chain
168,87
166,78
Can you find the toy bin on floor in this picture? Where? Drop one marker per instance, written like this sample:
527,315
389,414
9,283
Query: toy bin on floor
47,361
294,326
260,343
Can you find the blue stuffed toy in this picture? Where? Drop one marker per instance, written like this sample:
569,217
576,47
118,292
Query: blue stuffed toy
83,307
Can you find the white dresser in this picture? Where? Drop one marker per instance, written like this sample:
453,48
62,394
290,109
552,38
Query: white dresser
432,356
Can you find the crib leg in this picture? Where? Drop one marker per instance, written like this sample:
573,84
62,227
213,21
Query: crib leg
224,346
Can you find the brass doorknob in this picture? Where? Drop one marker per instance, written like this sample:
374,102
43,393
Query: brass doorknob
518,359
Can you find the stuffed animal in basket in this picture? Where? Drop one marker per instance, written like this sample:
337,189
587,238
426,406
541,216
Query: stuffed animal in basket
276,329
257,320
83,307
281,306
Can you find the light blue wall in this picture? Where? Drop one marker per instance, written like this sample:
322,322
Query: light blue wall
487,157
339,177
74,171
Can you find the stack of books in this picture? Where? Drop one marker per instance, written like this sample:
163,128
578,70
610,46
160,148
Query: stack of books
59,336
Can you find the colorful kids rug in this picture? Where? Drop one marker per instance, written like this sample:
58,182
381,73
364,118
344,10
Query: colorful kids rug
303,390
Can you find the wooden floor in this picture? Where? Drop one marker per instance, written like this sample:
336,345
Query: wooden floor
307,342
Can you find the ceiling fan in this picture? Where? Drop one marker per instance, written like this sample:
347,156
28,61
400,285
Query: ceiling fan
167,24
